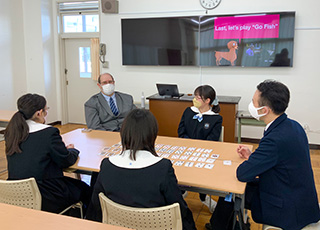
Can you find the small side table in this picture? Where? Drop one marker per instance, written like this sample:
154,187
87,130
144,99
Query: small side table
244,118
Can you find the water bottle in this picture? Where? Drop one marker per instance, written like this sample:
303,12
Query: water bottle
142,101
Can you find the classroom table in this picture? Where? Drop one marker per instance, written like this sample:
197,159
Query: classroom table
15,217
220,180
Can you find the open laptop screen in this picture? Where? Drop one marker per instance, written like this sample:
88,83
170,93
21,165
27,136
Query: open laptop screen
168,90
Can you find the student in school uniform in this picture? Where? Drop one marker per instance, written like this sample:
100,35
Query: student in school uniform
138,177
34,149
202,121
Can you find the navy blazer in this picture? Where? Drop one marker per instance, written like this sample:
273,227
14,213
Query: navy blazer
99,115
286,196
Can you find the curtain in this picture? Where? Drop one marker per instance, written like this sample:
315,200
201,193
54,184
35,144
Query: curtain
95,66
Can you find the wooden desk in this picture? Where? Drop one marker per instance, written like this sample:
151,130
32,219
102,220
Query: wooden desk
5,115
16,218
168,112
221,178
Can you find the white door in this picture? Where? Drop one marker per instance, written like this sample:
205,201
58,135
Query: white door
80,86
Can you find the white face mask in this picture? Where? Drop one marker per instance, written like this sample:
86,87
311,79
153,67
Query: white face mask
108,89
254,111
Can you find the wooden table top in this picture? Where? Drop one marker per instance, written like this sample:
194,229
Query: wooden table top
5,115
221,177
14,217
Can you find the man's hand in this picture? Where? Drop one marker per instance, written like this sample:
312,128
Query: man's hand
244,151
70,146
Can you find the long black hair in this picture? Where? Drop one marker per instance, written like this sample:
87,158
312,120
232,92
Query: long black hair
17,130
205,92
139,132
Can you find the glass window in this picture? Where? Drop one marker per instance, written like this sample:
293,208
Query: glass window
80,23
85,62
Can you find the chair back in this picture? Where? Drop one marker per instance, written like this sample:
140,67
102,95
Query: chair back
167,217
23,193
221,134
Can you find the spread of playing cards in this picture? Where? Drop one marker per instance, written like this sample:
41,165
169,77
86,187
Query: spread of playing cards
179,155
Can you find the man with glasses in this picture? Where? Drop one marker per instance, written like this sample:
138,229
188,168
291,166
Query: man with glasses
107,109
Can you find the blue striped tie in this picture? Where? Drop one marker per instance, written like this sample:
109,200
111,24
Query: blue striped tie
113,107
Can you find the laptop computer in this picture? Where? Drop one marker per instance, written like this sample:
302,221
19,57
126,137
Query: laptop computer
170,90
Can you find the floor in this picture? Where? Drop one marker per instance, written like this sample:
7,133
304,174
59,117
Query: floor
200,212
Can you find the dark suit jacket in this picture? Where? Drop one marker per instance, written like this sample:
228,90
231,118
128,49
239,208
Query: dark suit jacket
44,155
99,115
286,196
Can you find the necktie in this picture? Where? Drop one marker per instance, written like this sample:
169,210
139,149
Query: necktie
198,117
113,107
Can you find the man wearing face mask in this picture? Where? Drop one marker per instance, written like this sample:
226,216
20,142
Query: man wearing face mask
280,186
279,172
107,109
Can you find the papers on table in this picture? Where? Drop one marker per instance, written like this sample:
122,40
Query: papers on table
179,155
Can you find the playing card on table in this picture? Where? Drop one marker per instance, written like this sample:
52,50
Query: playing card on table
175,157
199,165
165,155
110,154
208,166
196,154
179,151
210,160
202,159
188,153
182,148
193,158
170,151
200,150
208,151
214,155
116,150
205,155
184,157
174,147
191,148
116,145
179,163
189,164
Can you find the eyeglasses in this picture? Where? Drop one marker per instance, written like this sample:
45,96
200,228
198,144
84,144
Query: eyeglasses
107,82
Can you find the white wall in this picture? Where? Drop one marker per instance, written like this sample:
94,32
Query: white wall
27,51
303,79
12,55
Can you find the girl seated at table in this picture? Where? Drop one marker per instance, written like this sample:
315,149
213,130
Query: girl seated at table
138,177
34,149
202,121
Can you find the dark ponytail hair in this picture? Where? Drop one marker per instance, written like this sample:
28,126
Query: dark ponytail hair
205,92
139,132
17,130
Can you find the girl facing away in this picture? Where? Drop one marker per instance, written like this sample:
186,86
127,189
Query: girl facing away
138,177
202,121
34,149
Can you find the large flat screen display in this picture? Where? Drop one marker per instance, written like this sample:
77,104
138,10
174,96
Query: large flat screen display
160,41
247,40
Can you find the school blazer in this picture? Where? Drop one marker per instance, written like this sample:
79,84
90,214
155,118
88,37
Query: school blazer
286,196
99,115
